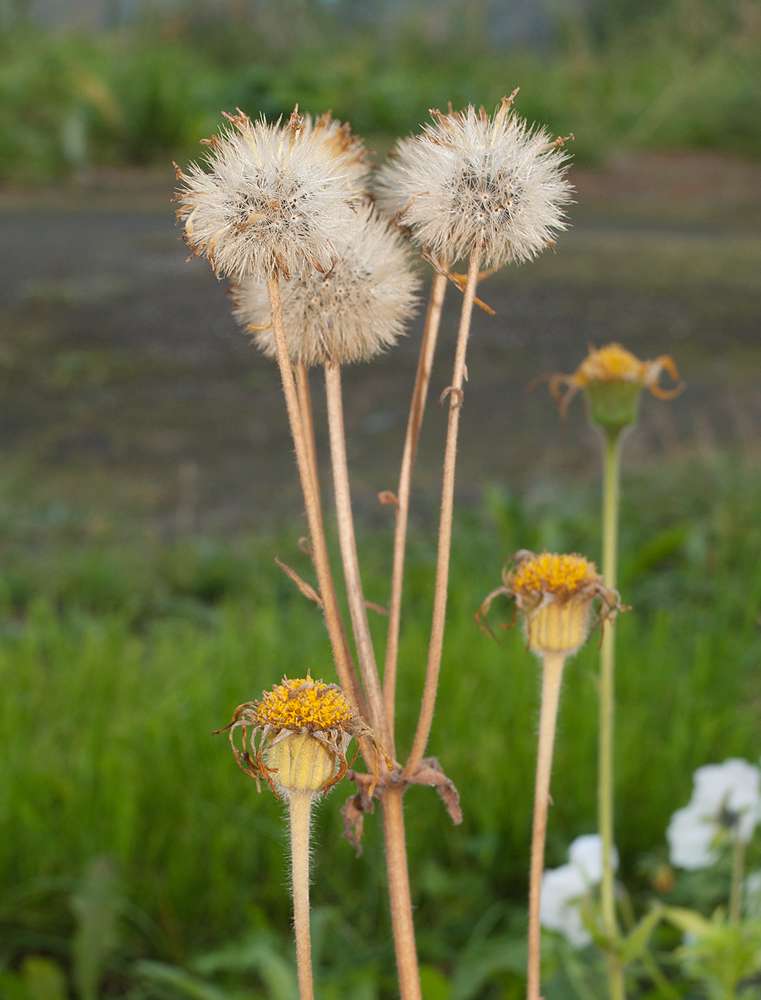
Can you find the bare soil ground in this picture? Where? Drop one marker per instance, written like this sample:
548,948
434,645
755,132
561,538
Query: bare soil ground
127,388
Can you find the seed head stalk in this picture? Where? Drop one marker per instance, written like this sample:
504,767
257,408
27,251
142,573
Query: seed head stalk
611,489
344,666
307,421
552,673
445,523
417,409
393,819
348,545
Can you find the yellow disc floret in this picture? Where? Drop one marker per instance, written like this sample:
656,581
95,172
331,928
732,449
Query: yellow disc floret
611,364
304,704
548,573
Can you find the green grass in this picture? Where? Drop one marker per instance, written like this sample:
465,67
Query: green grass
681,74
119,657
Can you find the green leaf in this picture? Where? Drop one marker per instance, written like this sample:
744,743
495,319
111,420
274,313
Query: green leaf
689,921
637,940
183,982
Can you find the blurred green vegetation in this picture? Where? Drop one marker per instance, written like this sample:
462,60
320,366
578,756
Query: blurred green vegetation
670,73
136,858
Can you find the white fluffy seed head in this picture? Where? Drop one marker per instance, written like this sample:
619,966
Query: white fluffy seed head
273,198
351,313
472,180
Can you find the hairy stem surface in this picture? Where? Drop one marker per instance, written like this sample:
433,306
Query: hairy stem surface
300,807
417,409
399,894
445,524
347,540
307,422
552,674
344,666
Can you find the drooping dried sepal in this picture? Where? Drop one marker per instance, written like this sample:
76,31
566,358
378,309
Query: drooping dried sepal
474,180
556,594
613,379
272,198
304,730
352,313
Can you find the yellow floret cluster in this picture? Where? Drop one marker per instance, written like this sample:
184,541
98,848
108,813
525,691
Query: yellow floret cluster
610,364
560,575
304,703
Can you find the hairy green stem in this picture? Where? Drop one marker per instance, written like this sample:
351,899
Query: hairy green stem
612,439
552,674
300,808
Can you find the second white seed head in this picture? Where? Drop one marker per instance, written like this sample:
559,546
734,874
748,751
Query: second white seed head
472,180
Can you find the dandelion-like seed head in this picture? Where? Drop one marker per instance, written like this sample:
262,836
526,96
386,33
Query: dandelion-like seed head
555,594
352,313
471,180
273,198
304,728
613,379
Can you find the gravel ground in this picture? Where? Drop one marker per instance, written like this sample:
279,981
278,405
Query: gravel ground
128,388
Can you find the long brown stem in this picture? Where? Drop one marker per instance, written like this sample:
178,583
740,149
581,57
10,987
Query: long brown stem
344,665
417,408
307,422
399,894
552,674
357,609
445,524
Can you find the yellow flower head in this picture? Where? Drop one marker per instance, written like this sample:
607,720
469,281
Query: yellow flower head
305,728
563,576
555,593
613,378
304,704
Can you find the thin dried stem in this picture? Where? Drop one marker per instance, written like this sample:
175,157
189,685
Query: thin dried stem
417,408
552,674
357,609
307,422
445,524
399,894
344,666
300,808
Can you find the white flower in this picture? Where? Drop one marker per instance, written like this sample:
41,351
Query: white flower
350,314
273,198
726,801
473,180
586,854
564,888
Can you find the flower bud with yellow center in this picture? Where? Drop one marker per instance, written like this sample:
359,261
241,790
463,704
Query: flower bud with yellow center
613,378
555,593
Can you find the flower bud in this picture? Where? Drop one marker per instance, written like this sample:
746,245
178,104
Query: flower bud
301,763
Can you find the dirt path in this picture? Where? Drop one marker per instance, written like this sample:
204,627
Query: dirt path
127,387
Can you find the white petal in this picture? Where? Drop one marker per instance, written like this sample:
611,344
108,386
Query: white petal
562,888
690,836
586,854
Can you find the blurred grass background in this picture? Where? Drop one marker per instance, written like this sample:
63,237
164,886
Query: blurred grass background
119,656
621,74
